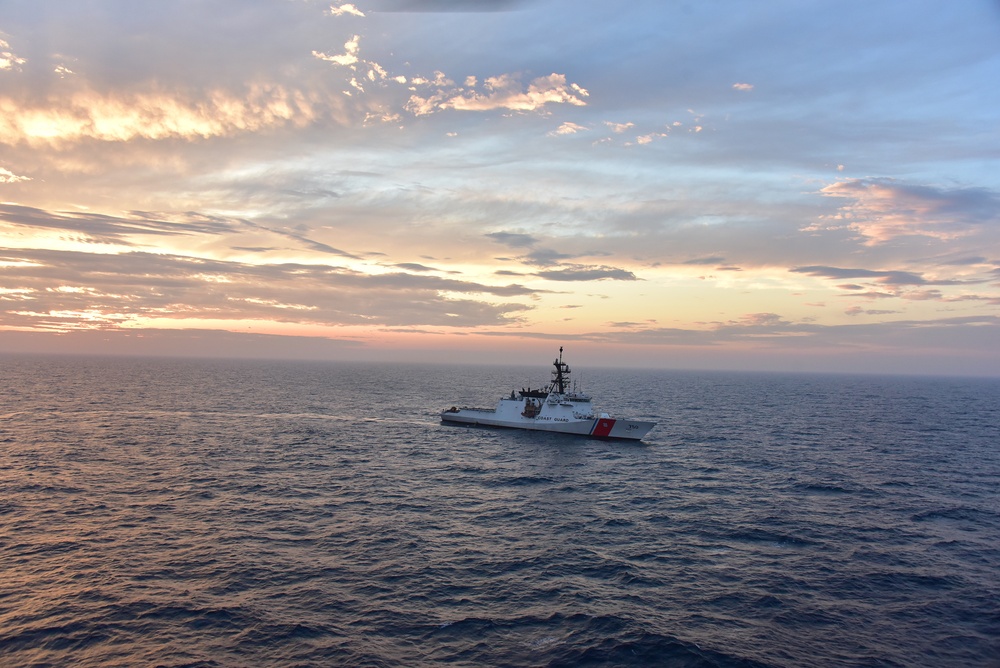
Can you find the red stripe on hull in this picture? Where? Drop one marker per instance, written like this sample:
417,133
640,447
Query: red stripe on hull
602,427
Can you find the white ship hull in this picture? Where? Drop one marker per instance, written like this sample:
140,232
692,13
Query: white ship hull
554,409
596,427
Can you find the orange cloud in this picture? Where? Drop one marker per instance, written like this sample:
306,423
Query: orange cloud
8,60
568,128
348,58
7,176
345,9
118,117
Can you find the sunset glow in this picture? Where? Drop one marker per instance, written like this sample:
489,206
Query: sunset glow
703,186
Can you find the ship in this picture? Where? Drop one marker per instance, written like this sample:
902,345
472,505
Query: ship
555,408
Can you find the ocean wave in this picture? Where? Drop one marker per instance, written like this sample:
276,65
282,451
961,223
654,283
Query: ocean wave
229,514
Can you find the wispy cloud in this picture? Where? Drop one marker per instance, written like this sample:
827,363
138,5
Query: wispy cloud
882,277
883,209
159,115
346,9
57,290
885,277
113,230
513,239
545,257
447,5
587,273
504,91
7,176
568,128
712,259
619,128
857,310
439,92
8,59
349,57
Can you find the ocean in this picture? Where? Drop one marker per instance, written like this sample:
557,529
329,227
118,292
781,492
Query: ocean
167,512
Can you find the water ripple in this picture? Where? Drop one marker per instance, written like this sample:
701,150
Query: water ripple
193,513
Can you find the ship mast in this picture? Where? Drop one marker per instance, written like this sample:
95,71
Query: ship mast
560,377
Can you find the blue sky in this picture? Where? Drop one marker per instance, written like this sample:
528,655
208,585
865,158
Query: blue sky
783,185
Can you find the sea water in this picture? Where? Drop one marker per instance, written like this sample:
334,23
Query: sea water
236,513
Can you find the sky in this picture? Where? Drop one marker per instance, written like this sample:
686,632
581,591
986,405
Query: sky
791,185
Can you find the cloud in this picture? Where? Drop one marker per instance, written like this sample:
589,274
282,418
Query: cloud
966,261
159,115
902,284
587,273
7,176
223,134
875,294
8,60
345,9
924,295
306,241
348,58
114,230
446,5
619,128
280,91
883,209
711,259
513,239
989,299
500,92
568,128
503,91
544,257
130,231
651,137
414,266
857,310
760,320
553,261
884,277
63,290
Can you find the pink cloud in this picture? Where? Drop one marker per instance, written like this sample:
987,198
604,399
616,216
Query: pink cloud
884,209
